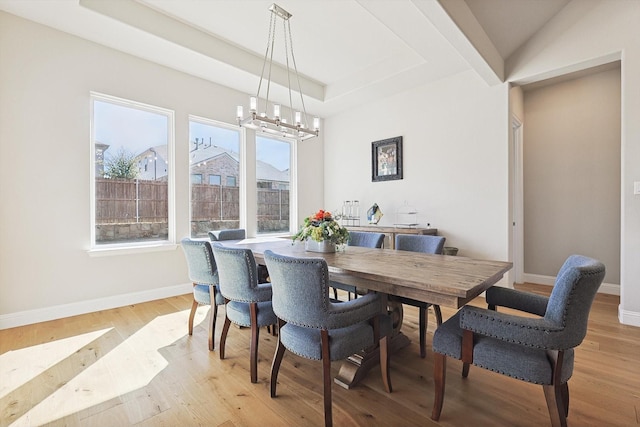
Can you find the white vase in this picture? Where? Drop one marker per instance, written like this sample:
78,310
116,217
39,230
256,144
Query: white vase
325,246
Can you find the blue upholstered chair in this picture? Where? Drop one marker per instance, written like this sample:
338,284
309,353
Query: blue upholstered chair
314,327
538,350
229,234
363,239
248,302
204,275
429,245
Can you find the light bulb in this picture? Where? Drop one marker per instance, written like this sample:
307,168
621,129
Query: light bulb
239,112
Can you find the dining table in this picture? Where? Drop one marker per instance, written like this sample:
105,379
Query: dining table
445,280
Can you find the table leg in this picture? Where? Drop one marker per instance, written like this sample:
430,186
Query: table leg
356,366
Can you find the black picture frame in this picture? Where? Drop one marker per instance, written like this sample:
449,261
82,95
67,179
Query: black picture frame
386,159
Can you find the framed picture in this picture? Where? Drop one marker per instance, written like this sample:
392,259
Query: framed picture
386,159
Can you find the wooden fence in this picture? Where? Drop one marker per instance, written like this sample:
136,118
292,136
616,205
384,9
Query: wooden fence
132,201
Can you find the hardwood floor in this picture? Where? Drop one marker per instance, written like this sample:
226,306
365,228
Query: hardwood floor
136,365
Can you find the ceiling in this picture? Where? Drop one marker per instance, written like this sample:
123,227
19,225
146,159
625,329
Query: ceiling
348,52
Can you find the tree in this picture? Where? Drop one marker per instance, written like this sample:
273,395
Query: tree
123,165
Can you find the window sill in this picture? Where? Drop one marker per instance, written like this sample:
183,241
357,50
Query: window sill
111,250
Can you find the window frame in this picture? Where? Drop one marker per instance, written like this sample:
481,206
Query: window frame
133,247
242,159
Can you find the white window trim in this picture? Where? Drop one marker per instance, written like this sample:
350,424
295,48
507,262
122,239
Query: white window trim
134,247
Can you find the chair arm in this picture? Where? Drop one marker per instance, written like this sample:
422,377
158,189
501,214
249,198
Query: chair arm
347,313
526,331
519,300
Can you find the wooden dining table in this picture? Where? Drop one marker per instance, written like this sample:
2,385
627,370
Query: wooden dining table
450,281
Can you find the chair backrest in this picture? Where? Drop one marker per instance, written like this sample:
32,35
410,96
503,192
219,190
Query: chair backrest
200,261
237,271
228,234
425,243
573,292
365,239
300,289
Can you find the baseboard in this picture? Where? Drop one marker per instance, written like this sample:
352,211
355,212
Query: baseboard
630,318
605,288
29,317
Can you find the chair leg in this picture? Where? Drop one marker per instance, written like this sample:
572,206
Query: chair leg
255,333
438,313
223,336
326,375
213,315
384,363
565,398
423,332
194,307
439,376
277,360
556,404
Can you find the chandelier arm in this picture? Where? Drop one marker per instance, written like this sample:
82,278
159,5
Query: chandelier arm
286,24
295,67
264,62
272,30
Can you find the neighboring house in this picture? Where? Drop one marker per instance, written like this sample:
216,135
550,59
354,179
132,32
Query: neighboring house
100,148
152,163
210,164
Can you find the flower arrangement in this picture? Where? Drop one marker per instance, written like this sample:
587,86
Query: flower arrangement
320,227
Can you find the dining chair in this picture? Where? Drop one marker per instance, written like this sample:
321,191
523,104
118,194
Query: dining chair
427,244
539,350
204,275
314,327
362,239
228,234
248,303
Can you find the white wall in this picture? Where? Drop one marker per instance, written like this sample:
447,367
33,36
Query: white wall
45,80
589,33
455,143
572,173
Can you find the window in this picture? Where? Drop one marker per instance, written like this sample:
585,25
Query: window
196,178
273,165
131,149
214,151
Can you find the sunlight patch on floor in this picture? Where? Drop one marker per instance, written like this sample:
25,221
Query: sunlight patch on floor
17,367
129,366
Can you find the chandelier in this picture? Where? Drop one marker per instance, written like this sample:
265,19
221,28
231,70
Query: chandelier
295,127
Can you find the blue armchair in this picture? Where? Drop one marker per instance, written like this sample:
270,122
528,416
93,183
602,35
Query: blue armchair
538,350
365,240
314,327
248,302
228,234
429,245
204,275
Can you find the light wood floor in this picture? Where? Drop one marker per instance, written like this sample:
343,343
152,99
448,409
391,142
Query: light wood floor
136,365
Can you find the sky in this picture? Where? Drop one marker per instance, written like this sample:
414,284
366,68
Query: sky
137,130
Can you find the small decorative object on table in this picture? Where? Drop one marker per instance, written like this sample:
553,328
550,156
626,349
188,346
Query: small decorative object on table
321,233
374,214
